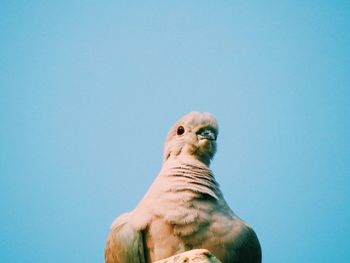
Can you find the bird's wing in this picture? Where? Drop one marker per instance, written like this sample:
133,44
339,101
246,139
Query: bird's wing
125,243
246,246
250,250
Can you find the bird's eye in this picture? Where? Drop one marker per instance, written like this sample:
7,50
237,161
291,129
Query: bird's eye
180,130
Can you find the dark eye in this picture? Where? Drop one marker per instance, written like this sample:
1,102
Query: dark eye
180,130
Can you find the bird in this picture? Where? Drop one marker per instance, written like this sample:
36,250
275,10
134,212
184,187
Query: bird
184,208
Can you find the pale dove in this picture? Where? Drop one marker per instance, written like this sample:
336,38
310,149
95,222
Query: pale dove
184,208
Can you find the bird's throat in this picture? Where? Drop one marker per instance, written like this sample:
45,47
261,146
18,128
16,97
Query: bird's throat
191,176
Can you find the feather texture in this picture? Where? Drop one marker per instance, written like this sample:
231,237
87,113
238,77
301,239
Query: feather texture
184,208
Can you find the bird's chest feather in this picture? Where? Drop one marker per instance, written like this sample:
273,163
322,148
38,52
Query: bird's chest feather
187,211
192,224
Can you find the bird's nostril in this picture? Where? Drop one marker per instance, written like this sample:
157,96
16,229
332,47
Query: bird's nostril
208,134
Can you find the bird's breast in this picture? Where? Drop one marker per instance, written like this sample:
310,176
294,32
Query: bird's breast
184,203
187,229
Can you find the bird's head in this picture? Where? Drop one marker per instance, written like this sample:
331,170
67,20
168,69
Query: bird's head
193,136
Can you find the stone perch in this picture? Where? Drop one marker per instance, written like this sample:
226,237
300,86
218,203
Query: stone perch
192,256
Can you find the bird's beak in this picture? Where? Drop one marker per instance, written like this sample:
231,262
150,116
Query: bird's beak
207,134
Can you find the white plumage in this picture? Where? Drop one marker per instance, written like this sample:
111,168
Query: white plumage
184,208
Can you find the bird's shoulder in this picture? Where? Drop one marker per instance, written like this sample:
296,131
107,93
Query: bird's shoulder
243,242
125,240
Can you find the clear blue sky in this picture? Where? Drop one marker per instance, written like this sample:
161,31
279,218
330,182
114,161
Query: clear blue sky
89,89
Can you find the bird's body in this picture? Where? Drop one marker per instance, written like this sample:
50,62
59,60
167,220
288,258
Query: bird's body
184,208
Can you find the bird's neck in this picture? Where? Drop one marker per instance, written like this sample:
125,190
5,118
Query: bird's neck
191,175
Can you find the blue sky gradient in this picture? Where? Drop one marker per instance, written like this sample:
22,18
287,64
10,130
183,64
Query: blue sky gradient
89,89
